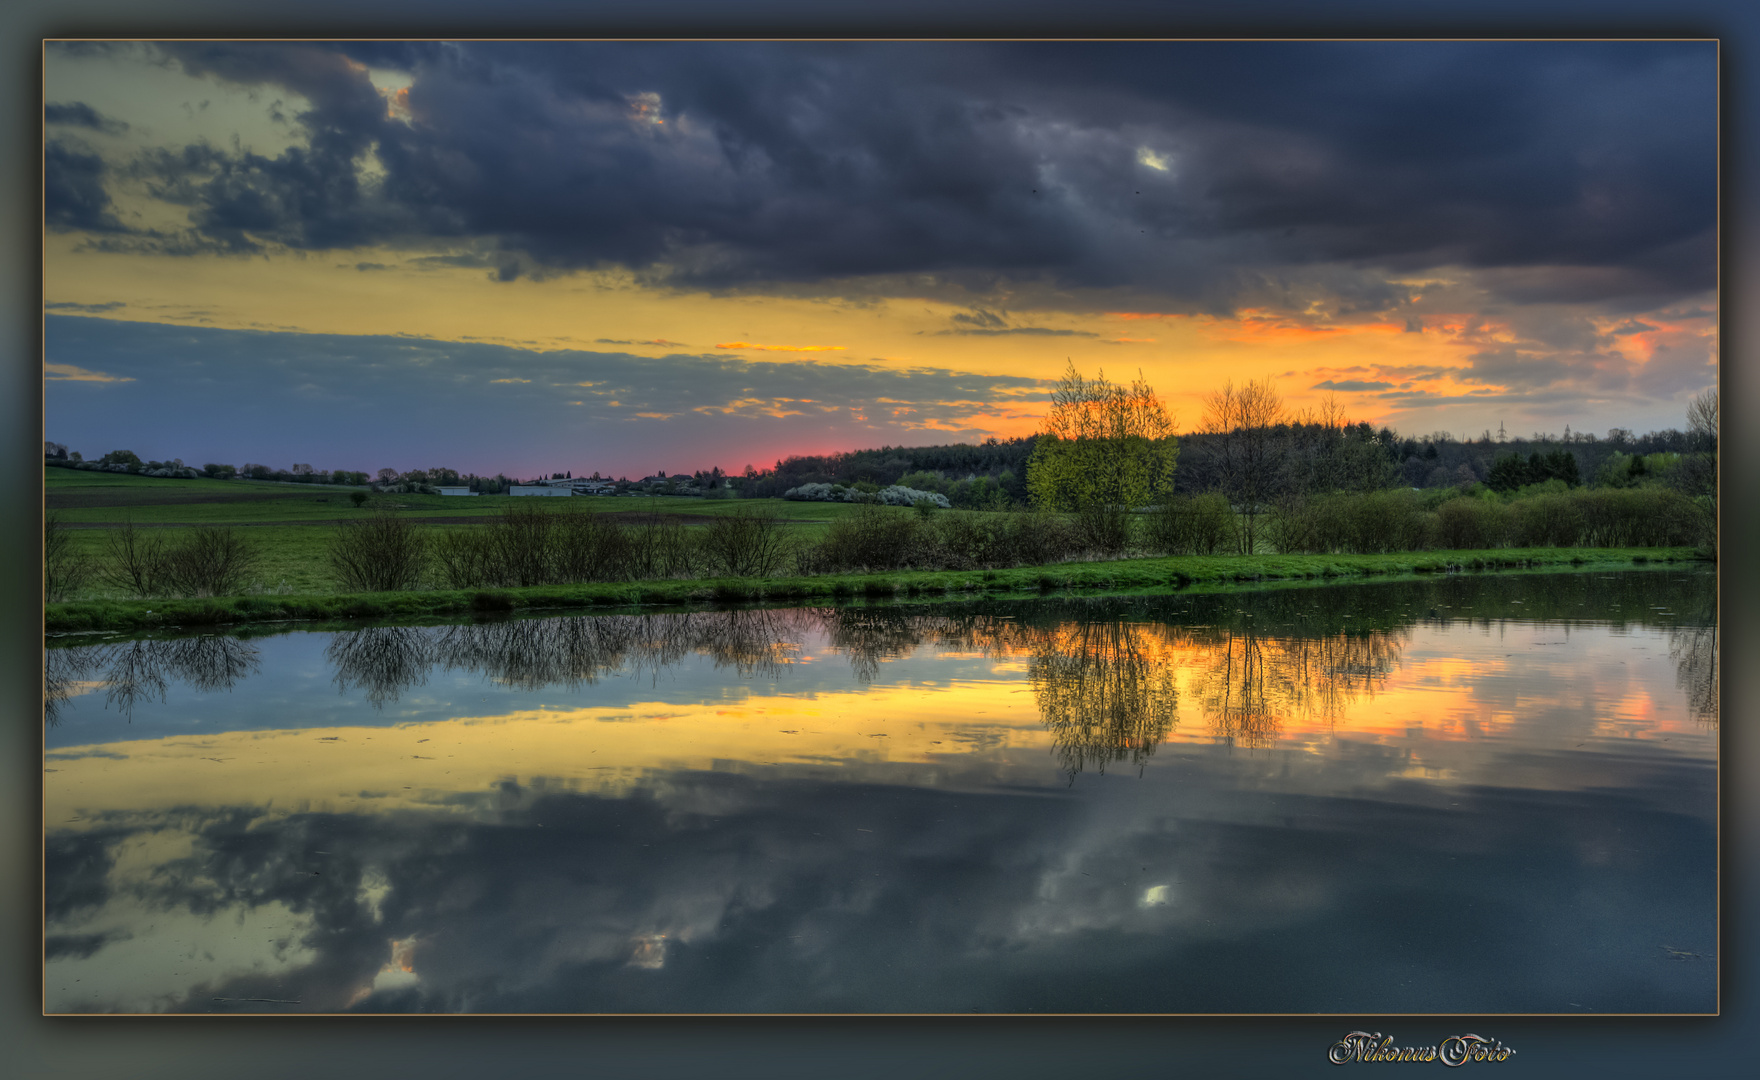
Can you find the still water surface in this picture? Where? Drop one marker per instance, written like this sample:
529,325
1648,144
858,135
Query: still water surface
1467,795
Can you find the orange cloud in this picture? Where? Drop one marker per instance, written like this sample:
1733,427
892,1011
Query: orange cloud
1256,327
780,348
72,373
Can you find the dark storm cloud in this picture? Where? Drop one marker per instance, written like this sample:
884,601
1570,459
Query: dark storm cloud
1193,166
73,190
79,114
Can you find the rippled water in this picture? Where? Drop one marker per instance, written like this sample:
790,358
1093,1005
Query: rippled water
1467,795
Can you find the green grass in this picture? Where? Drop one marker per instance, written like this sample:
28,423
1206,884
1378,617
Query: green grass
294,581
1197,573
153,500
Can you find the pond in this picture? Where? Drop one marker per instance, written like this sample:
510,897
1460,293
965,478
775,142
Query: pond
1462,795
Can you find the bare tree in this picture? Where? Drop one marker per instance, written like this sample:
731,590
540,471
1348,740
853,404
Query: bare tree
65,570
1250,452
1702,417
137,564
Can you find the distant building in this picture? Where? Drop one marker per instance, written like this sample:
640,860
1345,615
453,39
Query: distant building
538,489
456,491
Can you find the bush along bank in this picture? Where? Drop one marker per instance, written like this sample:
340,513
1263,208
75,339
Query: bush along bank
1231,571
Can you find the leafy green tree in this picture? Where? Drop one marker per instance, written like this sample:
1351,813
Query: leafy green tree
1508,473
1105,450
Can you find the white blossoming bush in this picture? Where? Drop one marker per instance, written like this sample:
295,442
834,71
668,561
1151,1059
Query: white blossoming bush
896,495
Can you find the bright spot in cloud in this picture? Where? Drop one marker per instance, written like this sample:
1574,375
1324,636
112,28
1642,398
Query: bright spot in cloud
1157,896
516,380
649,952
645,108
1158,162
399,973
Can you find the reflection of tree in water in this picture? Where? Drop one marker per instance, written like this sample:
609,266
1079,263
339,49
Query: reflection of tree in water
1104,692
381,661
63,672
1250,682
1105,675
529,654
1694,652
136,671
870,637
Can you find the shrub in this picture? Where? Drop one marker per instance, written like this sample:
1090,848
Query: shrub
65,571
1104,527
660,547
384,553
359,498
1382,521
1035,537
1633,517
136,563
211,561
870,538
589,548
1202,525
1366,524
1552,520
1471,523
462,558
519,546
744,543
961,540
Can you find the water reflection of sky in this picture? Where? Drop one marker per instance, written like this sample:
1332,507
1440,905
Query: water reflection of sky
904,811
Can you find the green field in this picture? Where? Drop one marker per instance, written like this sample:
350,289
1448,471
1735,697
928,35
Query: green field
293,523
110,498
293,526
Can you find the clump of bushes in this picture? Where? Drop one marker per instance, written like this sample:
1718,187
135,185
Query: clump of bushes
1467,523
876,538
528,545
1197,525
1373,523
383,553
744,543
1548,515
208,561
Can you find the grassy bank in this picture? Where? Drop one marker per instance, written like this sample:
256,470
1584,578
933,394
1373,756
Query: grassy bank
1128,575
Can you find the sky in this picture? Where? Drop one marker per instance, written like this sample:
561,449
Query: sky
526,257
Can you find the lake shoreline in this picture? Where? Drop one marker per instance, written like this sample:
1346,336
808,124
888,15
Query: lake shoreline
1183,574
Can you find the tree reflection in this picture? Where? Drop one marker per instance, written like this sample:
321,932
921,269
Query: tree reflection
1250,682
381,661
1103,692
1694,652
1106,674
530,654
64,672
136,671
